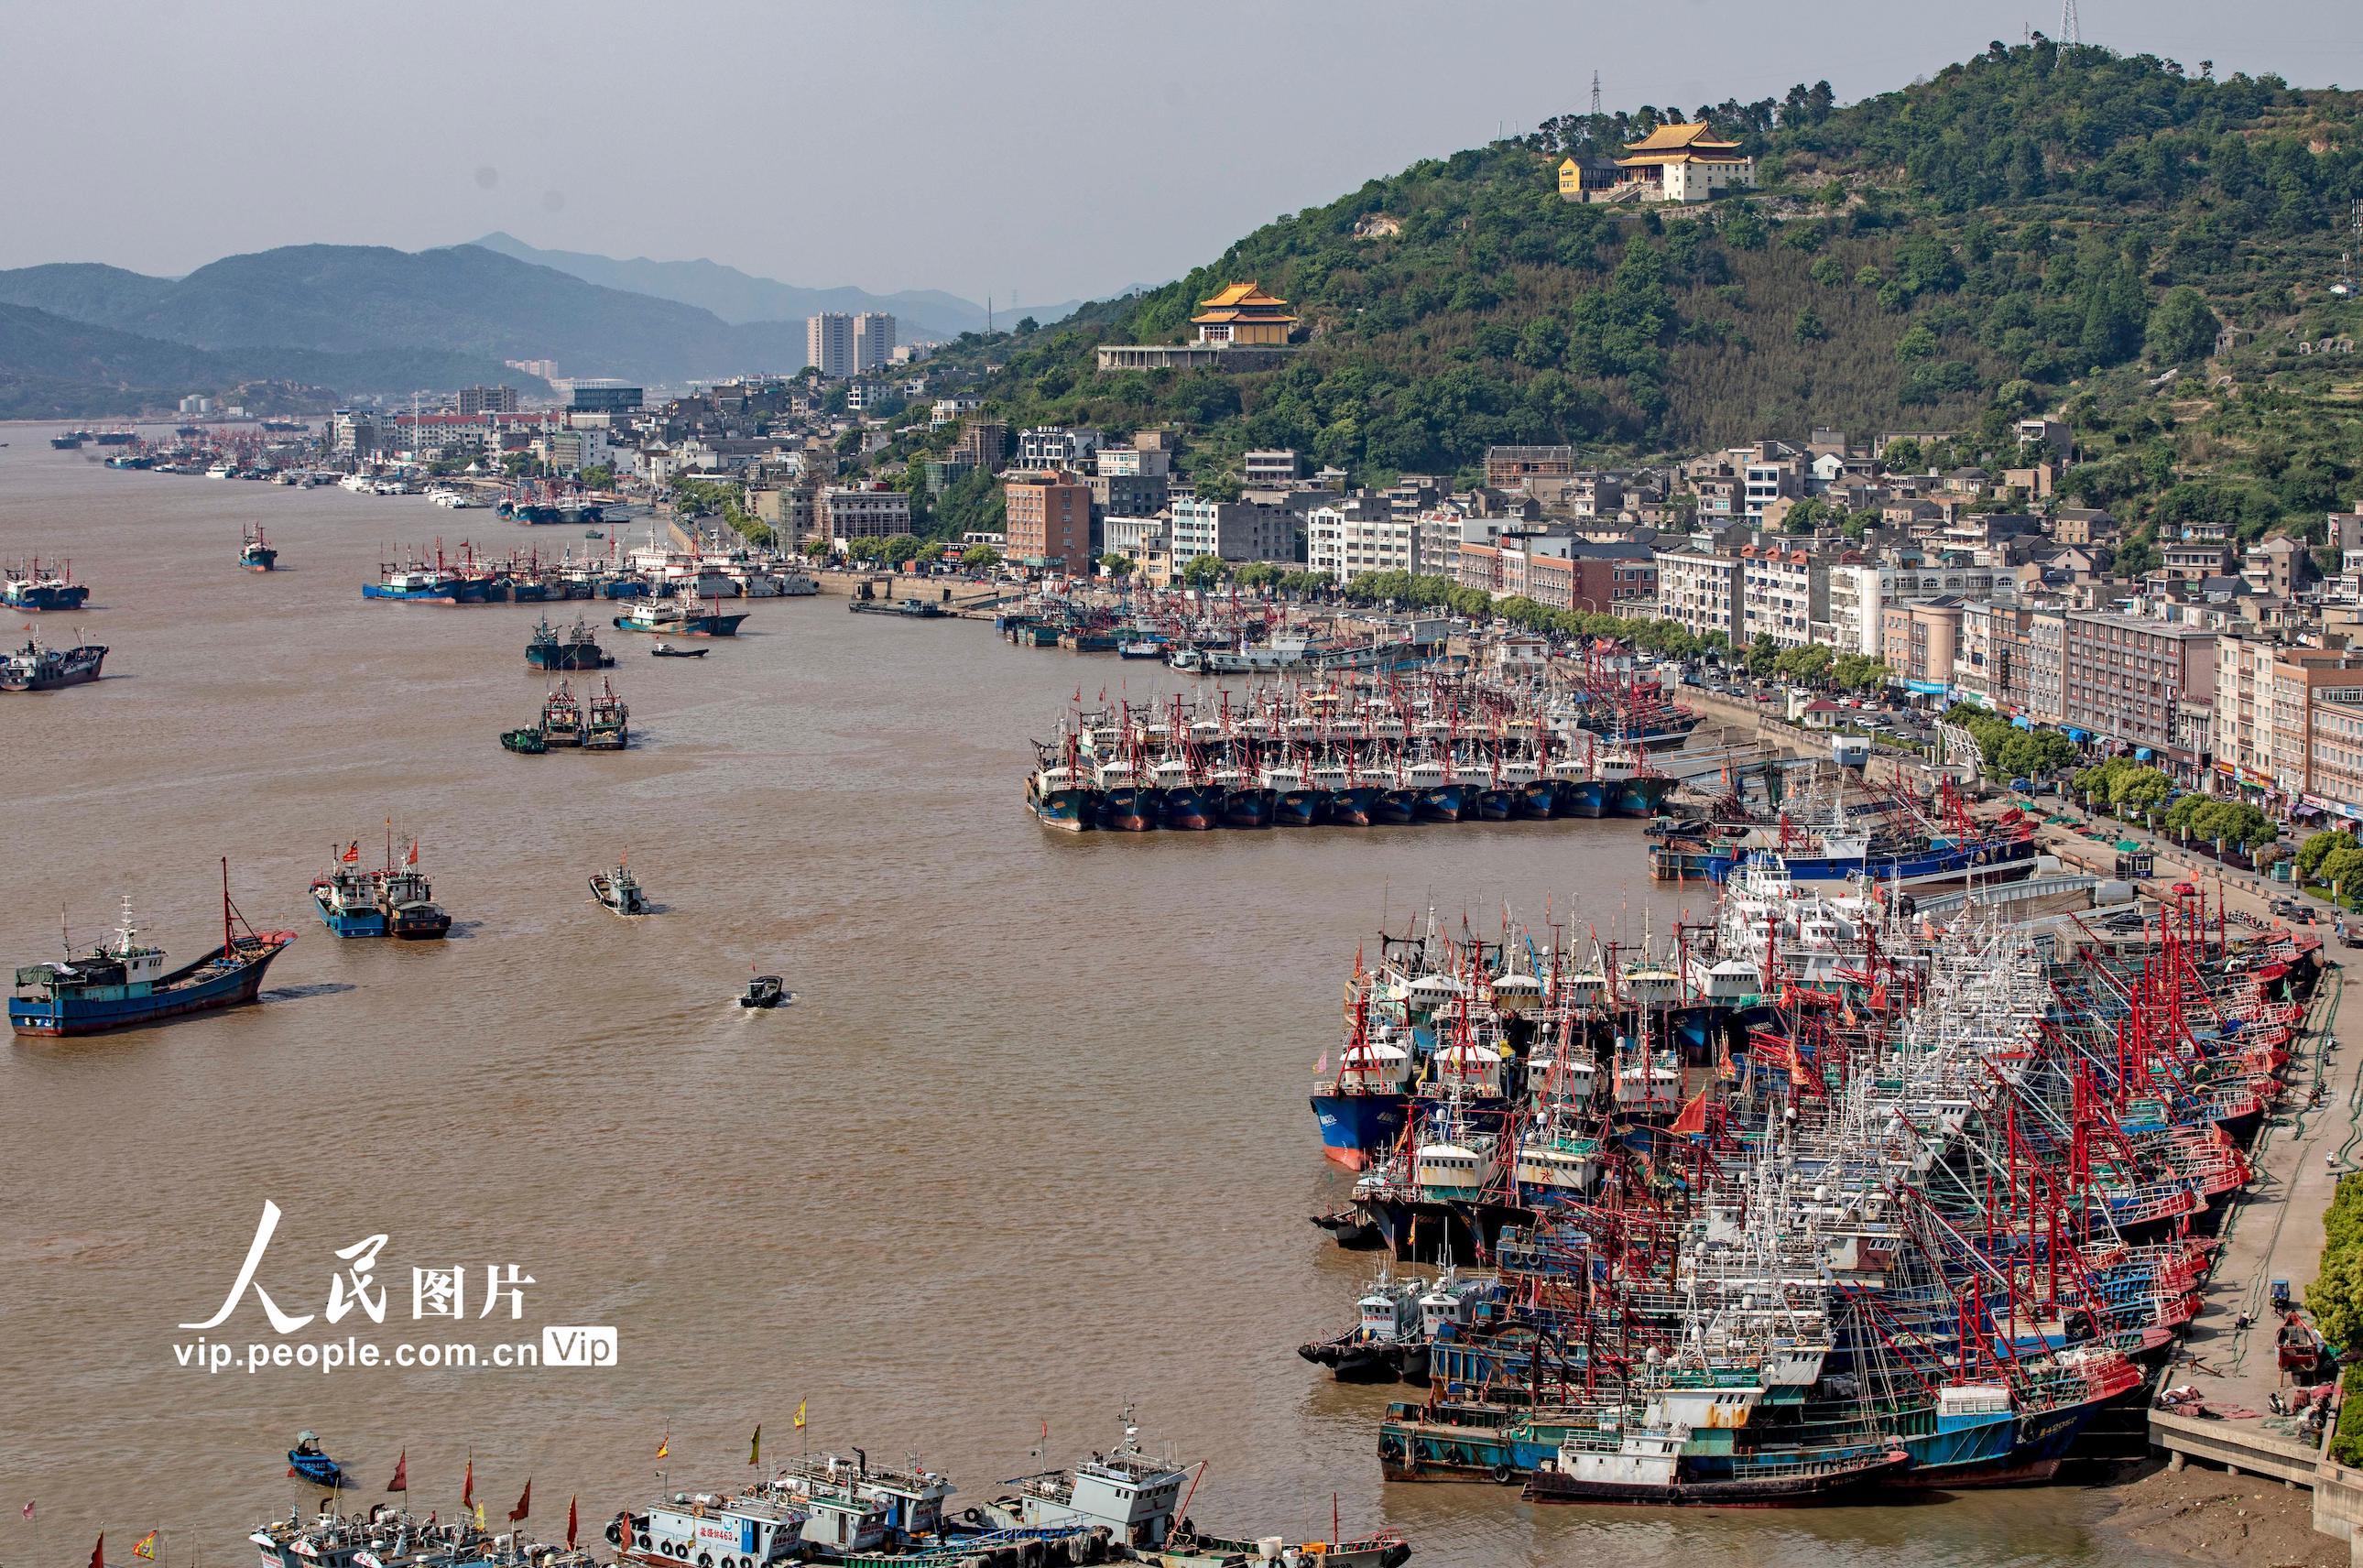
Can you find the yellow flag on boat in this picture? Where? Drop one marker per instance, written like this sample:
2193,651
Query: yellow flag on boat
800,1412
479,1516
755,1449
665,1447
147,1546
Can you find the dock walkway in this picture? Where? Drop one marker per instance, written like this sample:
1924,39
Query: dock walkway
2275,1233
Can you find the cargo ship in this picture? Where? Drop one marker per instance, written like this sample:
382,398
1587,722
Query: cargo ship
33,668
28,588
123,984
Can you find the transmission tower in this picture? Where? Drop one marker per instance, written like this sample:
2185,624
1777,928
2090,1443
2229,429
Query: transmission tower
2070,33
1595,94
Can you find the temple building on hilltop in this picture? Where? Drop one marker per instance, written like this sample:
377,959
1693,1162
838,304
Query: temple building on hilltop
1242,328
1682,162
1244,314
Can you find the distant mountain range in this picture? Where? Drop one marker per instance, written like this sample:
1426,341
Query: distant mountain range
738,297
346,319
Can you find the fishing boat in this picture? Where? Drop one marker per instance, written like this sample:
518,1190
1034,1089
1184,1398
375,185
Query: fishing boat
1649,1466
763,991
257,554
1139,1500
1140,647
408,900
561,718
67,440
417,585
619,890
346,895
527,742
577,649
33,668
607,726
672,618
123,984
28,588
666,651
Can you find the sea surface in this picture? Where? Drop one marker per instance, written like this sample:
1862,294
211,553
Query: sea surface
1030,1147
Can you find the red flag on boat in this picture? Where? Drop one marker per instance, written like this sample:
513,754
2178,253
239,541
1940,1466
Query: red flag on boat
525,1503
400,1482
98,1552
412,859
1321,1066
353,851
570,1502
467,1484
1692,1121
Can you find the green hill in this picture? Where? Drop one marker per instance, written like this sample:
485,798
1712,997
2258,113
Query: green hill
2033,227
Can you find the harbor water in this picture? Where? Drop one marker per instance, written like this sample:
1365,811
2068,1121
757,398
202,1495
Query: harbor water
1031,1143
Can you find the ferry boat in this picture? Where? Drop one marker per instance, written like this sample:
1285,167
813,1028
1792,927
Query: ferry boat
619,891
674,618
33,668
576,649
257,554
123,984
27,587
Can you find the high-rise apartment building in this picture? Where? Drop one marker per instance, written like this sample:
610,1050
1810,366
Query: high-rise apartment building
874,339
828,343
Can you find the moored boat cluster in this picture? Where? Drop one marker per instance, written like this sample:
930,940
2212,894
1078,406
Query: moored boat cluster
1354,751
1827,1195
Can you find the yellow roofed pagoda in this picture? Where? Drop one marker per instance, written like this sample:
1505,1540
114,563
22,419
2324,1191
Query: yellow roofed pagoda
1686,163
1244,314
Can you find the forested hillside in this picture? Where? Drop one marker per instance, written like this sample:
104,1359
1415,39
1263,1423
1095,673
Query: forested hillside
2031,228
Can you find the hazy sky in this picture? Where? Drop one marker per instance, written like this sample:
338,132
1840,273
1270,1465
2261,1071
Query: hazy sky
1053,149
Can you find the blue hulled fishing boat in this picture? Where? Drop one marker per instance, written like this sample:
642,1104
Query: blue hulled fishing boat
125,984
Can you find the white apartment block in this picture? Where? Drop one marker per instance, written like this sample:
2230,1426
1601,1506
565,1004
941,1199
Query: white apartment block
2244,708
1345,543
1777,596
1699,591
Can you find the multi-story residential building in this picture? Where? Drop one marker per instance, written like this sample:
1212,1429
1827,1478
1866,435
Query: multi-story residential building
844,512
952,410
2334,744
1568,574
2124,677
1048,517
1857,594
1701,590
1047,447
2193,561
1233,530
1784,592
1126,494
828,343
1357,535
2242,738
1272,466
874,340
601,396
1920,640
1993,636
1132,463
487,400
1133,538
2039,697
1506,468
2275,566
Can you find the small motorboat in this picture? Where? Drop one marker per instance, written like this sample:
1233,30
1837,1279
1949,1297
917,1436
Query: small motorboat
531,742
620,891
594,533
306,1461
666,651
764,991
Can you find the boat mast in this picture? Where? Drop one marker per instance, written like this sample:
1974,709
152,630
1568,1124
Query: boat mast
227,948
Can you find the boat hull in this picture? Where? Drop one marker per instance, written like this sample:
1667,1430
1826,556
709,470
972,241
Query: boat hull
1734,1492
1130,810
1578,797
1301,807
1358,1129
